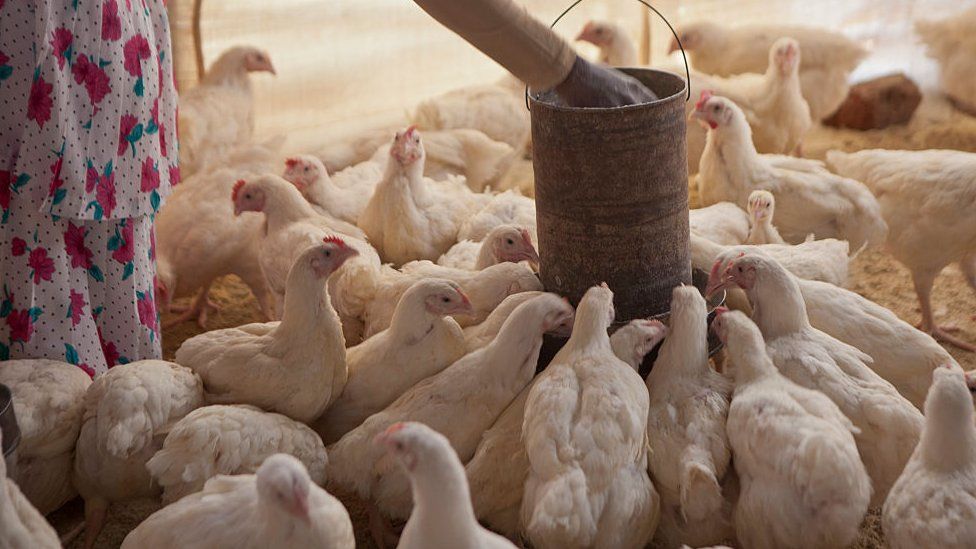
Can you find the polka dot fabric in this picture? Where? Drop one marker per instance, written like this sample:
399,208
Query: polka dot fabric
87,156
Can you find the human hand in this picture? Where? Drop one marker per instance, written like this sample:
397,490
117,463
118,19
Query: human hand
600,86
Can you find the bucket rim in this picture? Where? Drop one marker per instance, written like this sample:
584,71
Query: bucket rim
534,98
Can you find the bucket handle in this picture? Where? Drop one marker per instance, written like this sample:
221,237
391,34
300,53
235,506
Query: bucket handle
650,7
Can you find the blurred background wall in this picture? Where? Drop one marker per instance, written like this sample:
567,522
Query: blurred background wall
346,65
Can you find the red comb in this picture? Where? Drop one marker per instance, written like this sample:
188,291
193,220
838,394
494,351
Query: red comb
719,311
705,96
291,162
333,239
237,189
410,130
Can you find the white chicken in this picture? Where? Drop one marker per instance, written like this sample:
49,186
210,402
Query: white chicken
888,424
952,44
499,467
481,334
230,440
616,47
461,402
296,366
689,405
278,506
509,207
828,57
802,481
343,196
493,110
198,238
410,217
421,341
585,436
219,112
21,526
824,260
762,208
485,288
927,198
722,223
809,198
128,411
291,226
442,514
48,399
504,243
933,504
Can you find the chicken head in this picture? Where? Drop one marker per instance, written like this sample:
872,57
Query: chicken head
407,148
283,482
256,60
511,243
445,297
303,170
740,271
713,111
327,258
247,197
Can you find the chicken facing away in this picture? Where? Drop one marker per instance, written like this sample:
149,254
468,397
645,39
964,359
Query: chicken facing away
927,198
230,440
809,199
689,406
421,341
888,425
278,506
828,57
952,44
802,481
498,470
442,515
199,239
585,436
49,401
296,366
722,223
411,217
128,411
343,196
461,402
504,243
933,504
219,112
762,208
21,525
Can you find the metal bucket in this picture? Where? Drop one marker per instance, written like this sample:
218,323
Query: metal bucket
9,428
611,190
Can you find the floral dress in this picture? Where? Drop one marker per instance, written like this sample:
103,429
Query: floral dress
87,155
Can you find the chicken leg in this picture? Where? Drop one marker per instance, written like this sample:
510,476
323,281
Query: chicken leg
96,510
923,287
198,310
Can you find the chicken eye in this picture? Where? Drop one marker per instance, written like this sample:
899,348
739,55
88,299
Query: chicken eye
328,253
510,241
247,195
446,299
399,445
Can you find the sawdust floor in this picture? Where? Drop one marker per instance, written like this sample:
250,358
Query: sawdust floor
873,274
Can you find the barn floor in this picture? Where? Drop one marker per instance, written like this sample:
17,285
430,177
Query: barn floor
873,274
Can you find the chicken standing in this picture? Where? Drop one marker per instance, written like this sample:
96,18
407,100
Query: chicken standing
722,223
199,239
278,506
585,435
504,243
421,341
927,198
442,515
21,526
828,57
296,366
128,411
809,198
762,208
219,112
933,503
802,481
952,44
888,424
689,405
230,440
461,402
499,467
49,402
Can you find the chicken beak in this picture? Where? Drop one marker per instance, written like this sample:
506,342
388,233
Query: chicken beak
674,46
466,307
237,210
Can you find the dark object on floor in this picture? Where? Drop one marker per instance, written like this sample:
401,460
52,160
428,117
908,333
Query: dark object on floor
877,104
8,426
612,197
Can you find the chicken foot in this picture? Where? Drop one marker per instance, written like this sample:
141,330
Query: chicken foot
198,310
923,288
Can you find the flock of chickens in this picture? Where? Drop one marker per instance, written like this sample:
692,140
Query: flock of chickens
407,325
